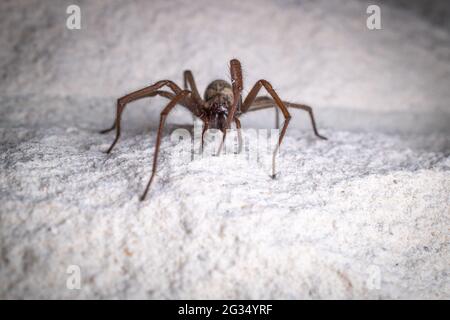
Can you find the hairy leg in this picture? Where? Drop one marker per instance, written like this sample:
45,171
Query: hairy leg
145,92
237,87
251,97
238,127
266,103
161,93
179,96
205,128
237,84
189,84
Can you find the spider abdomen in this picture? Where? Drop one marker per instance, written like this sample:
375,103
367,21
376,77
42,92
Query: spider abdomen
219,87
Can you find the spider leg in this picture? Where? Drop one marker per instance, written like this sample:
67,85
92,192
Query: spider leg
277,118
266,102
189,84
205,128
145,92
251,97
238,127
179,96
165,94
237,87
239,132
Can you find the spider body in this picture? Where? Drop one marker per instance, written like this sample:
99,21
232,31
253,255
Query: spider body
219,87
222,105
218,100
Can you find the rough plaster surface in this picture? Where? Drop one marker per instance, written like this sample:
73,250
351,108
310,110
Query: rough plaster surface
362,215
343,215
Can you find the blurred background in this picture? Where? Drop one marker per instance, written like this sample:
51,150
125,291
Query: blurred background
320,53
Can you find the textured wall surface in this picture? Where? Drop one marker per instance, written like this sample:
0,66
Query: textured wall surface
316,52
364,214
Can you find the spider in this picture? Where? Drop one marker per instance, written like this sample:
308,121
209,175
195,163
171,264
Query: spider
222,104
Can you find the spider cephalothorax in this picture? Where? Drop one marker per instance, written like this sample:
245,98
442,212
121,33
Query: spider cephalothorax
222,105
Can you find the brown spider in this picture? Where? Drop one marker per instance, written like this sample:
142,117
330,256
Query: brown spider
221,105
